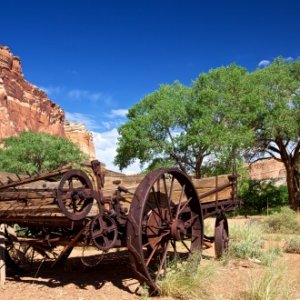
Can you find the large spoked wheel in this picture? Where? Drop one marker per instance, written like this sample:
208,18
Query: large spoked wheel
221,235
74,195
164,222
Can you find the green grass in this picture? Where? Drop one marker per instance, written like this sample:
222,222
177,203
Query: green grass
247,242
292,245
284,222
183,281
273,284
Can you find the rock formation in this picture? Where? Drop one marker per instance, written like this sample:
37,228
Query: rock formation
23,106
77,133
268,169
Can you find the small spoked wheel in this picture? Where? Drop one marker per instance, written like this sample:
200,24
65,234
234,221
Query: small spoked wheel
221,235
103,232
74,195
164,223
26,257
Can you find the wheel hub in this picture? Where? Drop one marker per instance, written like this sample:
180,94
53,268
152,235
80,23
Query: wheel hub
177,229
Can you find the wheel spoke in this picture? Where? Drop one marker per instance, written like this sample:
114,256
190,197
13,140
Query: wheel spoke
186,246
158,205
185,205
180,199
162,263
70,181
151,254
171,187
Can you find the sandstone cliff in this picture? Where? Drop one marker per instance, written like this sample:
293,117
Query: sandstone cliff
23,106
77,133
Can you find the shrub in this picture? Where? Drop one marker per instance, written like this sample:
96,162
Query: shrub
292,245
258,195
246,241
284,221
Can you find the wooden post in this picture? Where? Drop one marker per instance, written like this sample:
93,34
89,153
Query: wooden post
2,255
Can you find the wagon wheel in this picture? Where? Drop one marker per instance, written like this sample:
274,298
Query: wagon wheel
164,222
221,235
74,195
26,257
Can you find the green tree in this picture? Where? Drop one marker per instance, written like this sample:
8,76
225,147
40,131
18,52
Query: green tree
190,127
37,152
276,124
218,118
158,132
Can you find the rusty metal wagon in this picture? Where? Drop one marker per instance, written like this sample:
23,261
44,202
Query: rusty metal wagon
160,219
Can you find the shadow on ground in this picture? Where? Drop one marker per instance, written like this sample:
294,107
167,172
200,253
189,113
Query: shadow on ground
114,268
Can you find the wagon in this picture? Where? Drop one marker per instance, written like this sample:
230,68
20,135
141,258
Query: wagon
44,216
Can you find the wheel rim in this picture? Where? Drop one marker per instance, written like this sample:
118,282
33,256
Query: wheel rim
221,236
74,195
164,222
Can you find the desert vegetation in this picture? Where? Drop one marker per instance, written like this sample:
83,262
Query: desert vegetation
256,245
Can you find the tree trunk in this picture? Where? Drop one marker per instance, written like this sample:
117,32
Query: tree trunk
292,186
198,172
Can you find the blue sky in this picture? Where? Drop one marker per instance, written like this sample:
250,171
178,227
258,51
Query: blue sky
98,58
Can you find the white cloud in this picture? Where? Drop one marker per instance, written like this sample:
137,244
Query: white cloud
105,147
78,94
264,63
289,58
87,120
118,113
52,90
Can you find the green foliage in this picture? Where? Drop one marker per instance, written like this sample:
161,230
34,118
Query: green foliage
292,245
224,108
258,195
227,113
246,241
284,221
158,130
273,284
37,152
276,119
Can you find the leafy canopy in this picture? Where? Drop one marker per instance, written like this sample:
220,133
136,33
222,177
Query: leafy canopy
37,152
157,131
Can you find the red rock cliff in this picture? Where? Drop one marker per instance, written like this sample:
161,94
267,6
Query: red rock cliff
23,106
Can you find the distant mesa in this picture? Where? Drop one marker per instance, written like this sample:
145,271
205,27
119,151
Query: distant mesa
24,106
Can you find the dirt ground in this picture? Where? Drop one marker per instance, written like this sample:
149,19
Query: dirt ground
113,279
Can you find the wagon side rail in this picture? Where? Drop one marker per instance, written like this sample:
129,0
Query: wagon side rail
217,206
13,183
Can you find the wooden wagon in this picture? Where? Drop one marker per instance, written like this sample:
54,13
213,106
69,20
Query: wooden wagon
158,218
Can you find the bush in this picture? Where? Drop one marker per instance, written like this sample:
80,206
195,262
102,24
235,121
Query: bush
258,195
246,241
284,221
292,245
